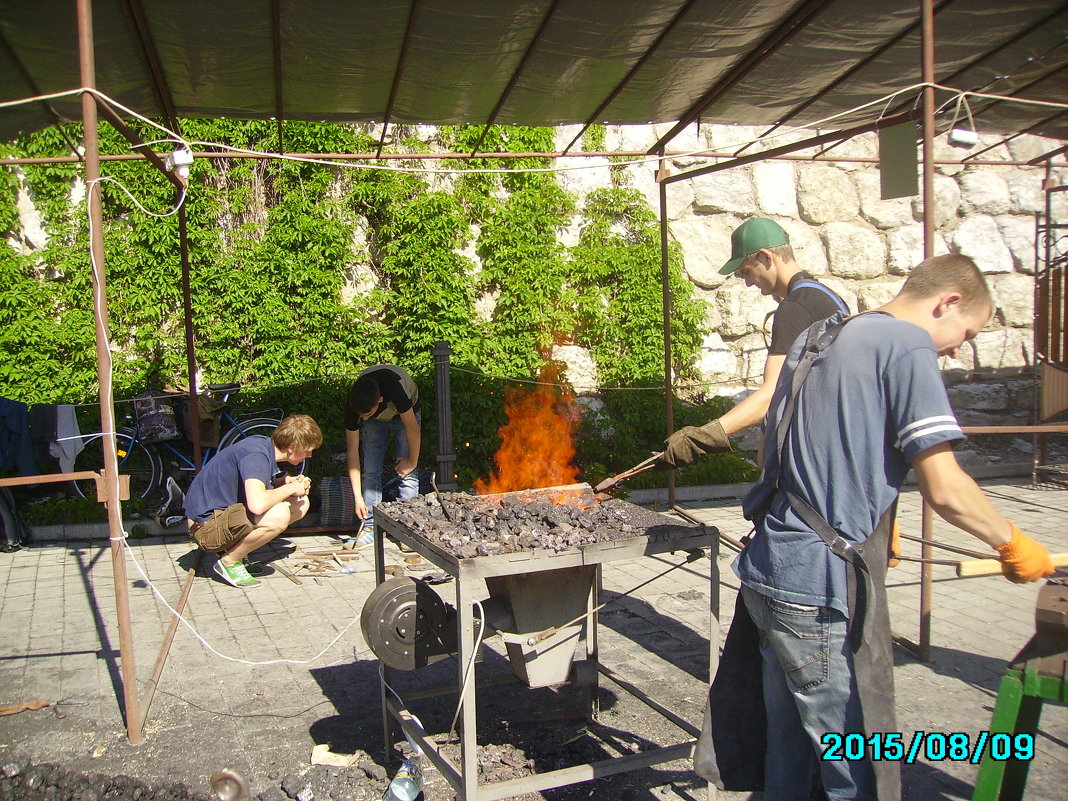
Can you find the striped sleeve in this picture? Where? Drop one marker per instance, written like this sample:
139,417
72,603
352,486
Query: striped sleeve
920,414
930,426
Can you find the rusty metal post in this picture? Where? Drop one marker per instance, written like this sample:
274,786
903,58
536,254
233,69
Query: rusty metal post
923,650
446,455
168,638
928,70
103,360
1040,318
190,343
665,279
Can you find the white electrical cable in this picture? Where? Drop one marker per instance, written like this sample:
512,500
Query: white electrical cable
534,382
784,132
217,653
136,202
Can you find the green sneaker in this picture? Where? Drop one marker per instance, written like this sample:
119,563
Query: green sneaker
235,575
253,568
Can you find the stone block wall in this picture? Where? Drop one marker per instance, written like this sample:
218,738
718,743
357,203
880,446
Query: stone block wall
863,246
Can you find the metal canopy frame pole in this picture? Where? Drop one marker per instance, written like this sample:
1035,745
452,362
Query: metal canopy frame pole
398,72
665,282
927,49
786,150
190,338
532,46
446,458
766,155
103,359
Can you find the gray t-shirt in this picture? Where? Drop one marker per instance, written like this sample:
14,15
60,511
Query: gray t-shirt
872,402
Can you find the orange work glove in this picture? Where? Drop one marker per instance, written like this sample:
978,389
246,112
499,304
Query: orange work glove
895,546
1023,559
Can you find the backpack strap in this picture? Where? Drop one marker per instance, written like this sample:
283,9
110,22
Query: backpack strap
826,290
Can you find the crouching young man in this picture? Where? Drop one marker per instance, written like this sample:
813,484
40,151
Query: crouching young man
236,504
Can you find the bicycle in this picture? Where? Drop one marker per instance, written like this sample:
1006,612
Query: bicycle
143,461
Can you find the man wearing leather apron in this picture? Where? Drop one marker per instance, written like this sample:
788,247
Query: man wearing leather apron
860,401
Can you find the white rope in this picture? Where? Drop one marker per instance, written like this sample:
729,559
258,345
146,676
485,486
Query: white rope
221,655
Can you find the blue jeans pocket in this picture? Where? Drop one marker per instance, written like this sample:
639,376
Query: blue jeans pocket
800,636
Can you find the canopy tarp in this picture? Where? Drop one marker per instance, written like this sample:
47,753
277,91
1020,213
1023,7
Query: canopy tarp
535,62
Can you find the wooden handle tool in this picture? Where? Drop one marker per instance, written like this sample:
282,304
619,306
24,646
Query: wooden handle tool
991,567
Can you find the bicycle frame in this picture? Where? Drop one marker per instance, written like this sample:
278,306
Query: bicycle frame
230,425
158,453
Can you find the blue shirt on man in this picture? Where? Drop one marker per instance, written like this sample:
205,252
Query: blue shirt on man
221,482
846,464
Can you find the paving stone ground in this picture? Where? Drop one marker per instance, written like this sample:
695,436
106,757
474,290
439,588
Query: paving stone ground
314,680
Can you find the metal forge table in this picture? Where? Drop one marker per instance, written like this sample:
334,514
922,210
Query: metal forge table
532,577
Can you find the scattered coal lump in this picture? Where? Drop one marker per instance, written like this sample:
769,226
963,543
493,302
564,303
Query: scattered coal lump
468,526
21,780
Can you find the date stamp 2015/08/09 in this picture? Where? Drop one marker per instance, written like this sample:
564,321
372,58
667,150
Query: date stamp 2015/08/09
931,746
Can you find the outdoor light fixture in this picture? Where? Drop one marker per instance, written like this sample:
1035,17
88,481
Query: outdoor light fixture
179,161
963,137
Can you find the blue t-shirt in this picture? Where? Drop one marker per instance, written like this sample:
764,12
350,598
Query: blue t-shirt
221,482
871,403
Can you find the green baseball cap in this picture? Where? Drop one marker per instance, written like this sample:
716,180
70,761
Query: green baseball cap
754,234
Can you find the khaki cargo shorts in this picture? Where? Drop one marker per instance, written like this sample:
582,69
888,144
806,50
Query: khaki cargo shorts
223,530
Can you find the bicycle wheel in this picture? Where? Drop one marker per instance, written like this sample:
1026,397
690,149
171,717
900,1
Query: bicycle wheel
136,460
264,426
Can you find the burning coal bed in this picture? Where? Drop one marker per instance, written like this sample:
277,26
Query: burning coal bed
467,526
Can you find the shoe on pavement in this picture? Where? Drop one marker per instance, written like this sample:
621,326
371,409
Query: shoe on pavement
366,538
253,568
236,575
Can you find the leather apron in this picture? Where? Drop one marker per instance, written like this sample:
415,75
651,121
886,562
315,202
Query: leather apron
731,749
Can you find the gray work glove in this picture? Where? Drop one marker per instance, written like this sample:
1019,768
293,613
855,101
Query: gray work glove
686,444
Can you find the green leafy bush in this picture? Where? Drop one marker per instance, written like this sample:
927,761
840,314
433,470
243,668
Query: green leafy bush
302,274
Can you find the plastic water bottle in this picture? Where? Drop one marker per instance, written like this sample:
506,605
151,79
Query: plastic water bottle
407,784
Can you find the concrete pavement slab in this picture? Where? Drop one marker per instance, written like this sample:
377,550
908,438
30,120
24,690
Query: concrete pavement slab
314,680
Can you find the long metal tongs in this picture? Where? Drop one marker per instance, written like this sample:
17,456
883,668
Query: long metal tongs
641,467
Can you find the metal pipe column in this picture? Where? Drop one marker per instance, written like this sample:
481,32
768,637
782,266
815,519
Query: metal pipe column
665,279
190,337
928,69
103,360
446,455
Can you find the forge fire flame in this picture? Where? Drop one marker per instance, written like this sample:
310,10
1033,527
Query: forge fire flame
537,446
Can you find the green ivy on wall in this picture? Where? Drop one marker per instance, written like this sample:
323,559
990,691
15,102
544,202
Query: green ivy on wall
303,273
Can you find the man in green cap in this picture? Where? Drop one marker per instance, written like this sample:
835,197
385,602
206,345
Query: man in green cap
761,256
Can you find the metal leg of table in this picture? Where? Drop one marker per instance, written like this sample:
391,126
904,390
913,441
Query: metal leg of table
465,620
1017,711
592,655
390,730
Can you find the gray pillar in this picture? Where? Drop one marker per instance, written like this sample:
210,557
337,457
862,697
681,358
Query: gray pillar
443,393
